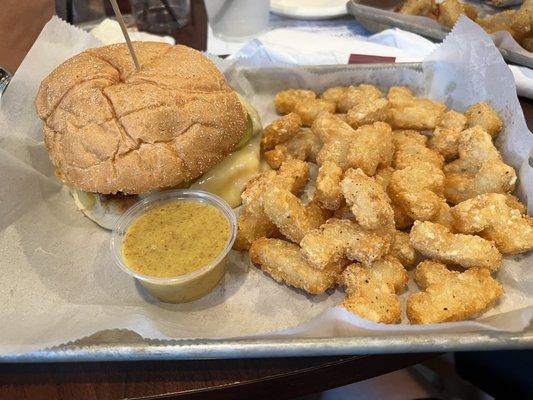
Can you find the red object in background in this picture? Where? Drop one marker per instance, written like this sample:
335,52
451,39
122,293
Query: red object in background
366,59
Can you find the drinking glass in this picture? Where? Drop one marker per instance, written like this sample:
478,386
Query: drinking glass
160,16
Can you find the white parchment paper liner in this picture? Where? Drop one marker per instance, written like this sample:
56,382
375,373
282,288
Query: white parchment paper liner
57,280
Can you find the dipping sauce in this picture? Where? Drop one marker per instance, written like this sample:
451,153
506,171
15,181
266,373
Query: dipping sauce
175,238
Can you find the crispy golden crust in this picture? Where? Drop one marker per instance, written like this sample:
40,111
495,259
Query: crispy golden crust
308,110
368,112
284,263
109,128
280,131
402,250
368,201
328,186
333,94
445,138
437,242
483,115
490,216
450,295
411,147
286,100
418,7
303,146
355,95
372,148
450,10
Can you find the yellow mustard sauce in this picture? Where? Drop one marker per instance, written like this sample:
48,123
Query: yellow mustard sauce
175,238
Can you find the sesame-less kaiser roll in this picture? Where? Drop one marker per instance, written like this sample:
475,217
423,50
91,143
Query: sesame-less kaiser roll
109,128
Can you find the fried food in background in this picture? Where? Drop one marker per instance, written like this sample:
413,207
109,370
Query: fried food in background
309,109
355,95
451,295
286,100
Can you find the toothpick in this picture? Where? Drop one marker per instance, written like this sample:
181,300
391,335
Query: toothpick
120,20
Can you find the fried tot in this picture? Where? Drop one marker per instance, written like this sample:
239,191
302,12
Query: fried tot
368,201
291,217
483,115
328,186
340,238
368,112
437,242
286,100
355,95
451,10
402,250
411,147
250,227
280,131
418,7
303,146
410,112
444,216
450,295
333,94
445,138
401,219
490,216
418,190
371,291
284,263
308,110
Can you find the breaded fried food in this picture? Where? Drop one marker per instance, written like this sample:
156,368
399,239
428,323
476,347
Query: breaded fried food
251,226
286,100
451,10
444,215
401,219
368,112
308,110
368,147
280,131
333,94
451,295
328,186
418,7
284,263
368,201
303,146
418,190
371,291
437,242
445,138
411,147
483,115
479,168
514,202
355,95
341,238
293,219
410,112
402,250
502,21
490,216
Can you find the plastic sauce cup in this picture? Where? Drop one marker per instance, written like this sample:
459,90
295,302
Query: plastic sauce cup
194,284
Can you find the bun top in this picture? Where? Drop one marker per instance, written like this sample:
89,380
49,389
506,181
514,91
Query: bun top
109,128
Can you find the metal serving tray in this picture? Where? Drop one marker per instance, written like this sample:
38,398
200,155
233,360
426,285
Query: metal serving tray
377,16
125,345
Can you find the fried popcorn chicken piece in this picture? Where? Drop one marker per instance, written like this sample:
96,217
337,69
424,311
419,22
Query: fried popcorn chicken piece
401,219
371,291
280,131
490,216
411,147
502,21
286,100
291,217
367,199
368,147
328,186
479,168
418,190
410,112
341,238
450,10
451,295
368,112
309,109
402,250
437,242
284,263
303,146
253,223
514,202
334,94
444,216
482,114
446,135
522,20
418,7
357,94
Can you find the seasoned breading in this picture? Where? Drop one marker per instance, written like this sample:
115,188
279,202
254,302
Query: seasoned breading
368,112
445,138
334,94
308,110
328,186
450,10
284,263
293,219
514,202
402,250
371,291
418,7
444,216
450,295
418,190
355,95
251,226
437,242
411,147
303,146
286,100
490,216
341,238
410,112
280,131
483,115
368,201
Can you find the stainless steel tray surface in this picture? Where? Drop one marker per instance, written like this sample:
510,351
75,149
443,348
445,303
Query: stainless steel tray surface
377,16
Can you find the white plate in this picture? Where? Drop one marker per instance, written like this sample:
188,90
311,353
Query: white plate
309,9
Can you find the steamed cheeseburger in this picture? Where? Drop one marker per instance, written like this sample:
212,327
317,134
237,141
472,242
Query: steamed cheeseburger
113,133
